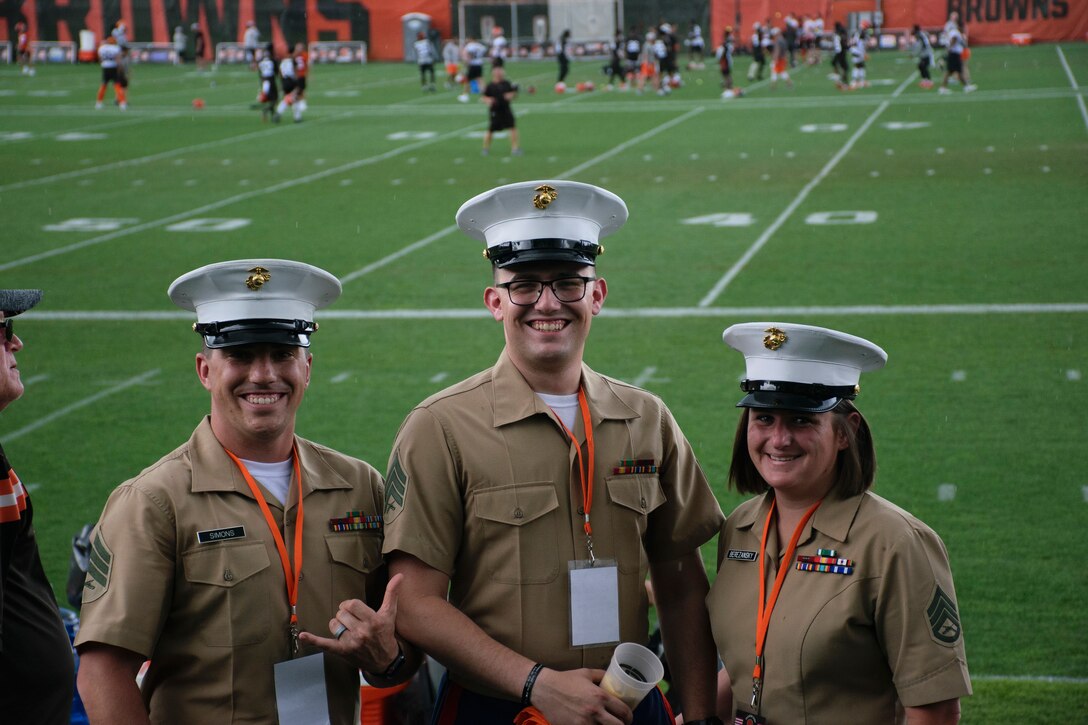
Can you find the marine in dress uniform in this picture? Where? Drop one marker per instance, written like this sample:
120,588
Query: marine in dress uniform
36,666
516,488
856,611
219,561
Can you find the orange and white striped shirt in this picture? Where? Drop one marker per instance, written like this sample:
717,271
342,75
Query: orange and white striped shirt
12,498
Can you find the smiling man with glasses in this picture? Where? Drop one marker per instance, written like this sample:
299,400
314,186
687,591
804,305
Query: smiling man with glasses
527,504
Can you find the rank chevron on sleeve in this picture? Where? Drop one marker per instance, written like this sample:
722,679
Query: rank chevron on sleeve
944,620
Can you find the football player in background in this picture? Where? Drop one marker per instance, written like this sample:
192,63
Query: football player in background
22,49
109,57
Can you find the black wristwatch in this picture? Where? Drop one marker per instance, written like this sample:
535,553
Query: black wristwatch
398,662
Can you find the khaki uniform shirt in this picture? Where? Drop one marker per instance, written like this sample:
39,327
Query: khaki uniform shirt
483,485
213,616
841,643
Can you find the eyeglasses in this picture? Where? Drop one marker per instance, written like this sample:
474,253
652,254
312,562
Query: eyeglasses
526,292
8,331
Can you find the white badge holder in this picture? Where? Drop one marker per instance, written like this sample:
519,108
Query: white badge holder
300,690
594,602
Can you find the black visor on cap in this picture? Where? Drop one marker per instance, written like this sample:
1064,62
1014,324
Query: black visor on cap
544,250
802,397
250,332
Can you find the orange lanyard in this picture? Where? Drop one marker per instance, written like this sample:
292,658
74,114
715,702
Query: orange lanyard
764,609
291,576
585,473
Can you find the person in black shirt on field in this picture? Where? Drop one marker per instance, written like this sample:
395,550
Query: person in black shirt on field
498,95
562,54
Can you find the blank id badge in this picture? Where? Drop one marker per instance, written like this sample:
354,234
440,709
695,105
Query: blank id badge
594,602
300,690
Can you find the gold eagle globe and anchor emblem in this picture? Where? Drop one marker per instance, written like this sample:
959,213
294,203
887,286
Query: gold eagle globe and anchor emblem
544,196
774,338
257,277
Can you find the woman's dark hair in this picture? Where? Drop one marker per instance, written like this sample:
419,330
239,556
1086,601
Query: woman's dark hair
855,469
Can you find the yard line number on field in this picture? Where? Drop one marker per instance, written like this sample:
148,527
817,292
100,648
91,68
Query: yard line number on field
290,183
153,157
134,162
741,263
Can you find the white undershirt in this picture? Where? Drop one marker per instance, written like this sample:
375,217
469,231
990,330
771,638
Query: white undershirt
565,406
276,477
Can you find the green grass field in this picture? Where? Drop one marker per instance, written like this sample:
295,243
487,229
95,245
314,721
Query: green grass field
948,229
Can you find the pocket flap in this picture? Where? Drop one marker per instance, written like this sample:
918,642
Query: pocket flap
516,505
225,565
639,492
359,550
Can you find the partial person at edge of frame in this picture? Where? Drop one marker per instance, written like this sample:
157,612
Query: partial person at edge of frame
839,589
37,678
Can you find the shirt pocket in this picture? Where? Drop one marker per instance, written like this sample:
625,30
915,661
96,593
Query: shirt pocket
521,543
634,497
229,586
353,557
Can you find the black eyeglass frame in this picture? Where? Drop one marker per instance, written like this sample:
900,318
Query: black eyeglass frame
9,329
541,284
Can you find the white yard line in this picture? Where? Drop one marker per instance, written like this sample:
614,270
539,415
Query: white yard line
631,142
275,188
162,155
741,263
403,251
136,161
80,404
93,128
618,312
1031,678
1073,82
420,244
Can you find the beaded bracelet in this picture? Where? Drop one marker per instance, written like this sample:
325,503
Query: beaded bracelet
527,690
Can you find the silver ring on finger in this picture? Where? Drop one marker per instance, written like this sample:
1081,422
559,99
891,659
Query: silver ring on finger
340,630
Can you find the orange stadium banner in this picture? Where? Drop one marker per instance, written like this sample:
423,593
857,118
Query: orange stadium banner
377,22
987,21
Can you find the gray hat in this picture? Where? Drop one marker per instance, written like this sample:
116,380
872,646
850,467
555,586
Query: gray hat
800,367
250,301
17,301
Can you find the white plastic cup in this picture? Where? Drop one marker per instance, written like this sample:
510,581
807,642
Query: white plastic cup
632,673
